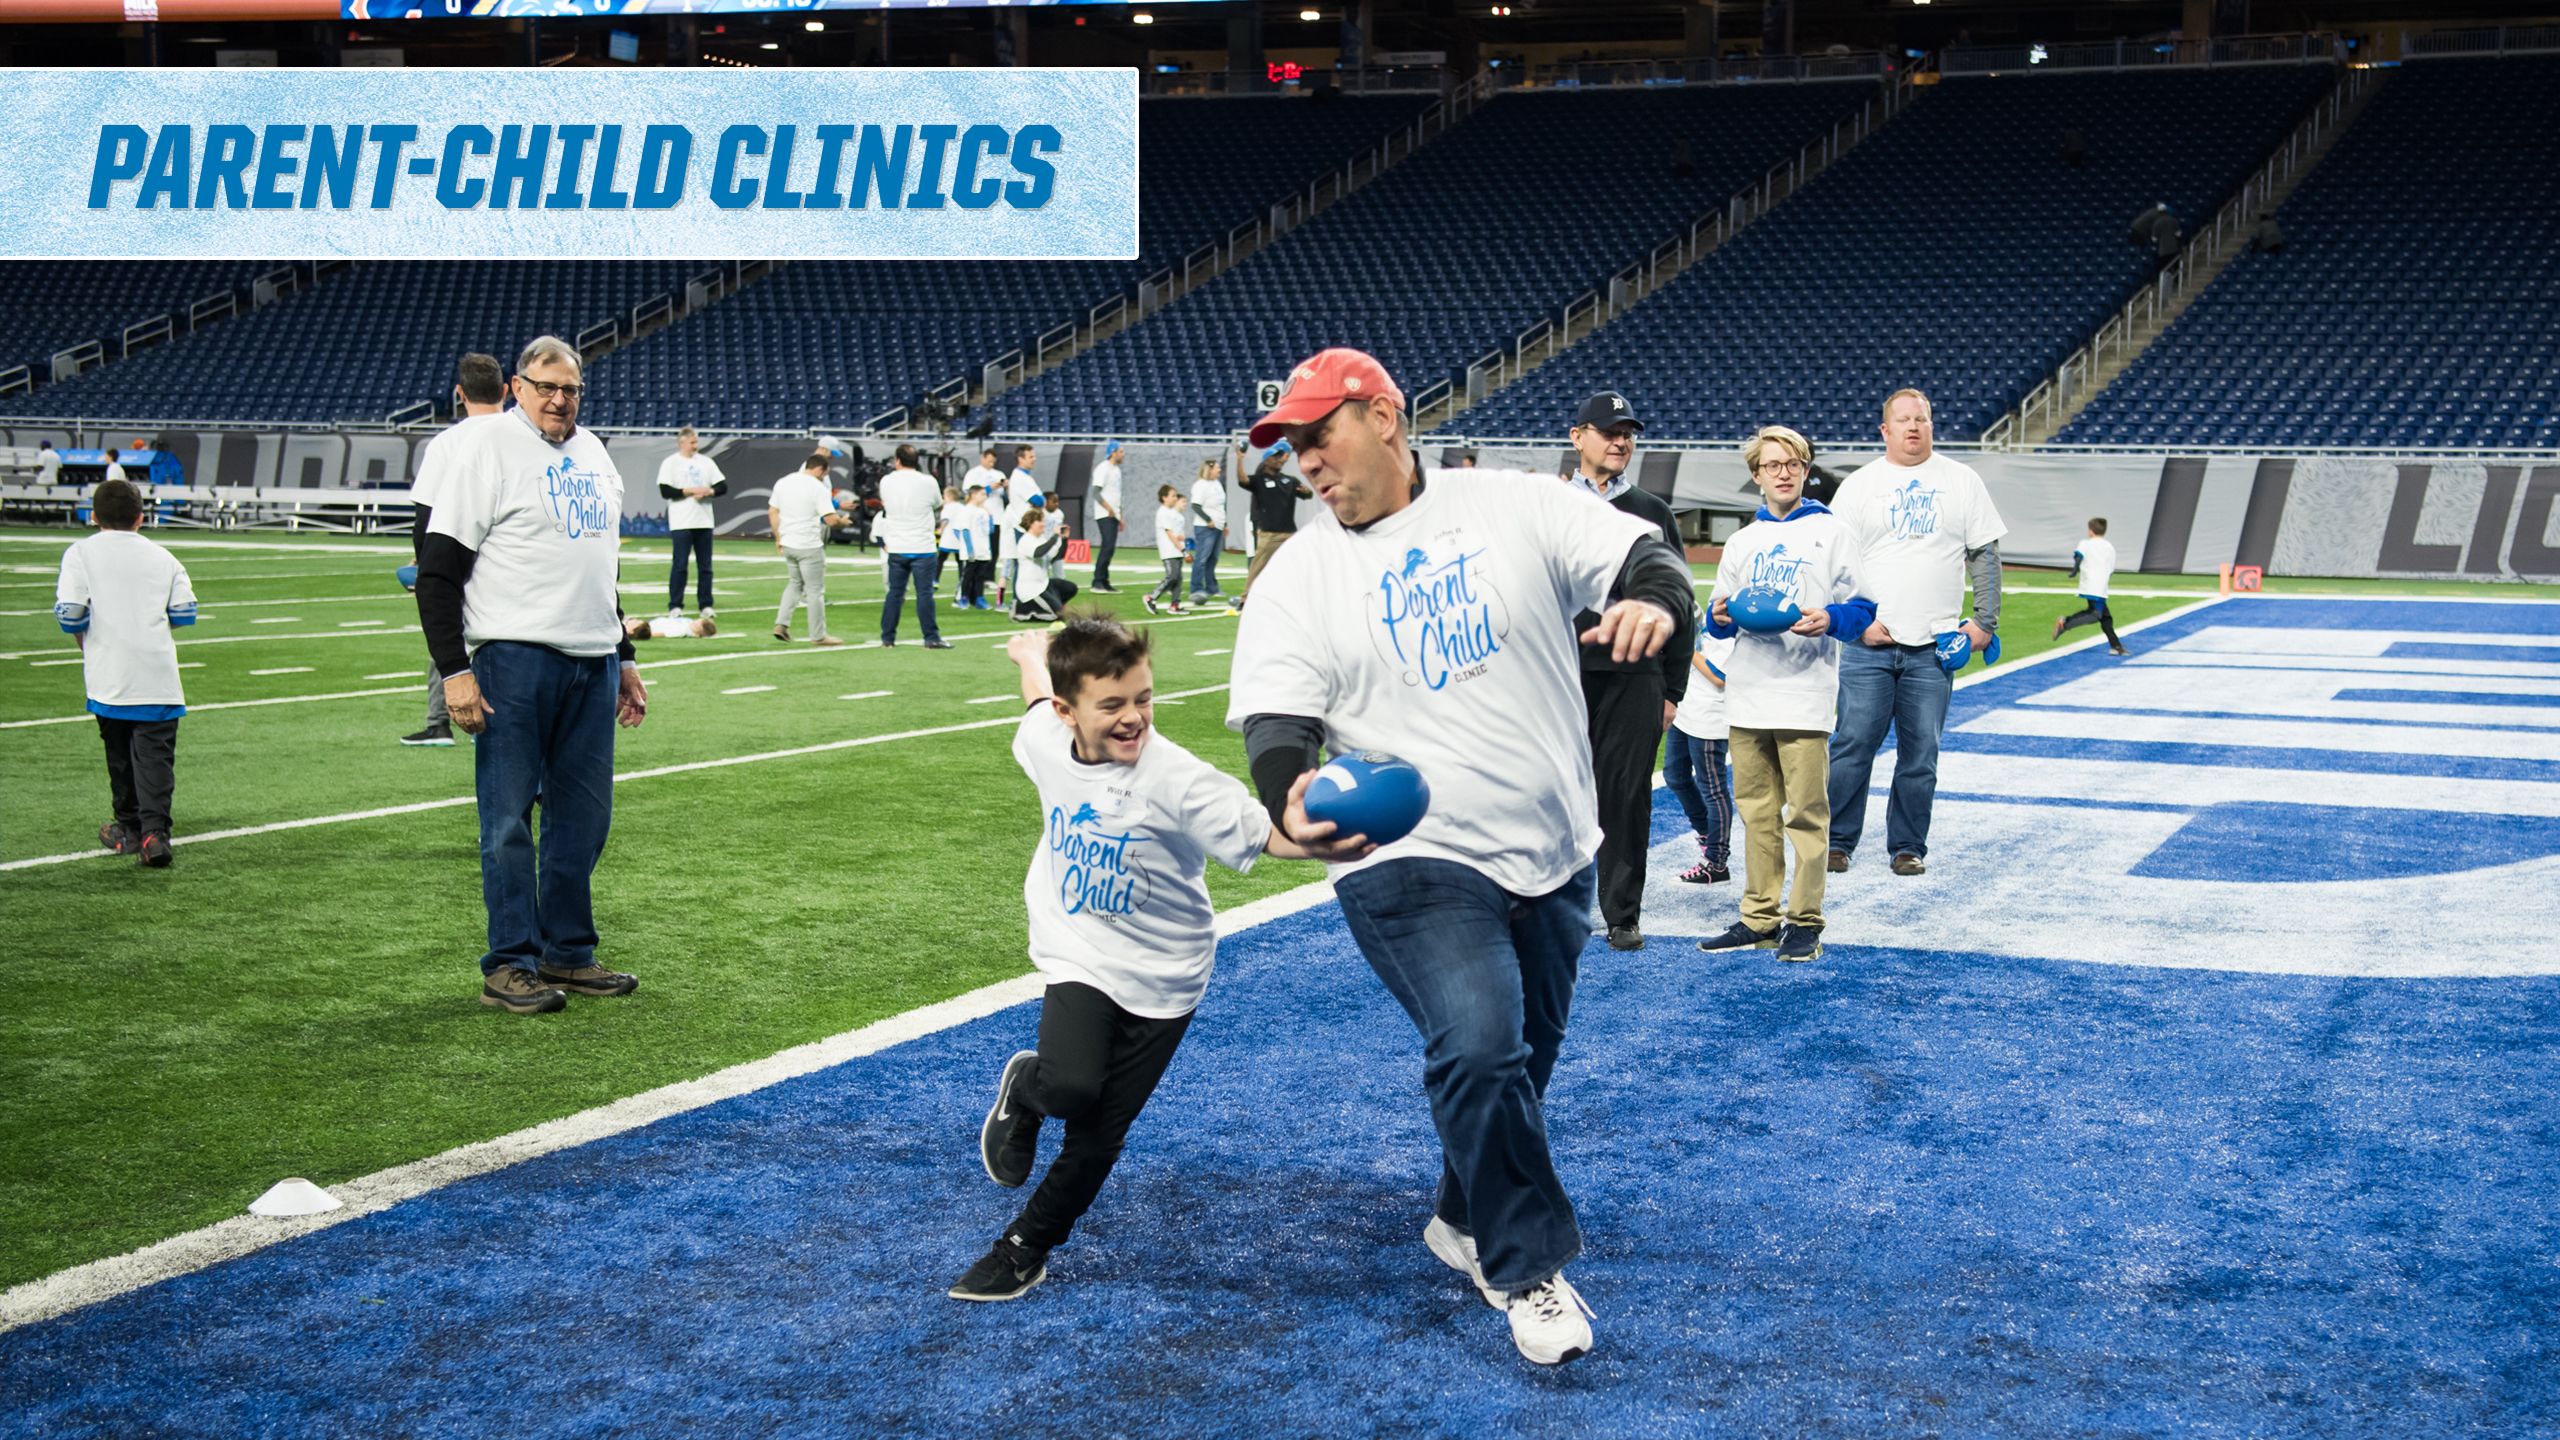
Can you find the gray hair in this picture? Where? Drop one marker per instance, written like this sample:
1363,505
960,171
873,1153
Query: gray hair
544,348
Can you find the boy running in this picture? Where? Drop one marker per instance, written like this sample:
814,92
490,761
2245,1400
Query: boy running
2094,563
119,597
1173,541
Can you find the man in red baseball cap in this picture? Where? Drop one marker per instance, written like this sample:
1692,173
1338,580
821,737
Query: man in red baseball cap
1430,616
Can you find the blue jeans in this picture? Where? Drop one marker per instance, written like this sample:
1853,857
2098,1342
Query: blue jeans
695,545
923,567
1694,771
1487,978
550,739
1207,544
1901,685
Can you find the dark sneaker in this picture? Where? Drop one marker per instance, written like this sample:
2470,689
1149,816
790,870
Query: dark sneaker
1741,937
118,839
1706,872
1152,607
591,979
1907,863
2118,650
1799,943
1007,1270
1625,937
1009,1138
438,734
940,645
1839,862
153,851
886,644
1106,589
510,988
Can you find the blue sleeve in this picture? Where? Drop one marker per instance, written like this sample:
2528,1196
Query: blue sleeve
1711,669
1850,618
182,615
1725,631
74,619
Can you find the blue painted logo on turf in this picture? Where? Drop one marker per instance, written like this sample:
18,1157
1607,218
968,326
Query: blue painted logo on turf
1913,512
579,507
1094,874
1438,622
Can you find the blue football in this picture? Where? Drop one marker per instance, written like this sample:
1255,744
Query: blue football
1954,648
1991,652
1762,609
408,577
1369,794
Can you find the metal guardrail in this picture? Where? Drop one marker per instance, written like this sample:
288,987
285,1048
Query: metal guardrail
16,379
1366,80
144,332
211,308
2483,40
2171,286
2141,54
411,416
1703,70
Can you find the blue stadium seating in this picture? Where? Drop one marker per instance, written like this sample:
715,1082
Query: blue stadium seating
1530,202
1954,250
48,306
2416,301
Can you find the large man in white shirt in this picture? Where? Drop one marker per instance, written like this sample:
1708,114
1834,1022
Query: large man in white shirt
689,479
1208,533
1924,524
1020,488
479,389
801,509
1106,517
908,498
516,594
1431,616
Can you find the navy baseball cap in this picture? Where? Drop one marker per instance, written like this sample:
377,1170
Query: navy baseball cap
1606,409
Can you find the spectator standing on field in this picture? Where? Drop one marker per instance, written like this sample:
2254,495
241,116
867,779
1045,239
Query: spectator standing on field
906,535
48,463
689,479
1274,494
1021,487
119,597
1107,517
479,390
801,510
1208,530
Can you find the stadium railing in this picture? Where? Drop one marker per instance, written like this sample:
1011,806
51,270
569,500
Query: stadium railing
2483,40
2142,54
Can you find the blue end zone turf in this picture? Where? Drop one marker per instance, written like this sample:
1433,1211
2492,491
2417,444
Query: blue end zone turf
1918,1188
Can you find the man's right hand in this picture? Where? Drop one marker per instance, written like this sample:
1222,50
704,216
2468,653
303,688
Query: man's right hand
1876,635
463,700
1316,840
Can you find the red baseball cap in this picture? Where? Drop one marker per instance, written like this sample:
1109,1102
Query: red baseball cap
1321,382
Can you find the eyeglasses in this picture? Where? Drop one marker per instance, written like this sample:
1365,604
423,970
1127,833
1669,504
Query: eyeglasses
547,390
1782,467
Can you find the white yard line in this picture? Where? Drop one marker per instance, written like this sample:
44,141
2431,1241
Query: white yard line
237,639
868,695
750,690
285,670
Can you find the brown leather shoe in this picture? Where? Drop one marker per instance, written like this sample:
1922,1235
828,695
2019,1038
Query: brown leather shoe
1908,864
516,990
590,979
1839,862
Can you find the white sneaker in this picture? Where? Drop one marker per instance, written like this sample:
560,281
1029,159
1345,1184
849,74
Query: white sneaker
1551,1323
1457,1250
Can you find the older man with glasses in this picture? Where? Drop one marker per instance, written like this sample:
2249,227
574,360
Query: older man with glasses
516,595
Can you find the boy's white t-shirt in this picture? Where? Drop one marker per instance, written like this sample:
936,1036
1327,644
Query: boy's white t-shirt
684,472
801,502
980,528
1444,635
1701,711
1913,525
1786,681
121,593
546,523
1115,889
2097,565
1173,530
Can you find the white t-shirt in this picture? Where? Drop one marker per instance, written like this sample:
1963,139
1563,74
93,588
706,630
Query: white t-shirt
907,498
1701,711
1106,491
1033,576
121,593
1444,635
673,627
986,475
48,466
1209,502
546,521
1173,528
437,457
1913,525
114,471
1786,681
1115,889
685,472
803,502
2097,564
975,530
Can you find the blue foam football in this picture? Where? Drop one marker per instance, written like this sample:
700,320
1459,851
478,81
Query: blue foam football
1991,652
408,577
1762,609
1954,648
1369,794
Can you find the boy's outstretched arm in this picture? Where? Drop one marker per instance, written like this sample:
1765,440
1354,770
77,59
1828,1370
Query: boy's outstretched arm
1029,651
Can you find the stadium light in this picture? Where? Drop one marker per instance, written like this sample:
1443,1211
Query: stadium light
770,45
1142,18
815,27
1310,14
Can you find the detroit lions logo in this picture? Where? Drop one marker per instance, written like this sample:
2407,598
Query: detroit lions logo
1438,622
1777,570
579,505
1913,512
1093,869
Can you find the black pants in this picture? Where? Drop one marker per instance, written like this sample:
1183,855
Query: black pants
1098,1064
2095,610
1106,543
1171,586
974,575
142,771
1626,742
1048,603
694,544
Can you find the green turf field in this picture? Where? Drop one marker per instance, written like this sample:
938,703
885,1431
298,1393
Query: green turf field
303,1001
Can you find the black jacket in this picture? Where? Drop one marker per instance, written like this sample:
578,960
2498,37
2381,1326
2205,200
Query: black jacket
1674,659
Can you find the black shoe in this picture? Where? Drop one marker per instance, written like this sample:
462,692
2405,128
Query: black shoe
1800,943
118,838
1006,1271
439,733
1741,937
1106,589
885,644
940,645
1152,607
1009,1138
153,851
1625,937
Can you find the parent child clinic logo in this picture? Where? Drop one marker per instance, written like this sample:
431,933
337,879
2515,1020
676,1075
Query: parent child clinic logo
1913,512
577,500
1094,877
1439,622
1777,570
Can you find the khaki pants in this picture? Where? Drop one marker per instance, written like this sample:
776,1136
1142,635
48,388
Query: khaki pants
1266,543
1772,768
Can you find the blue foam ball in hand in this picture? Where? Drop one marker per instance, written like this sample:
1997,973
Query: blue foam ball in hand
1954,648
1991,652
1369,794
1762,609
408,577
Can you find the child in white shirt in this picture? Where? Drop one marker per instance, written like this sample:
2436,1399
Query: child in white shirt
2094,564
1693,762
119,597
1121,925
1173,541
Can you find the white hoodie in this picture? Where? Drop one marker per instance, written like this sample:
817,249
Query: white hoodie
1786,681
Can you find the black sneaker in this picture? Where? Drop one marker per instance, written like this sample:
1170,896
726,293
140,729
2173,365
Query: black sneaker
1152,607
1106,589
590,979
1800,943
118,839
1006,1271
153,850
1009,1138
1741,937
940,645
1625,937
436,734
513,989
